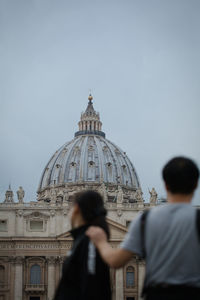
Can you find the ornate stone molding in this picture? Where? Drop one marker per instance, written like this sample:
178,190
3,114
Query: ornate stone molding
61,259
36,215
13,259
52,212
35,245
51,260
19,260
19,213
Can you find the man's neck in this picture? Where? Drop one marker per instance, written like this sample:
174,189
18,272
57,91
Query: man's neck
179,198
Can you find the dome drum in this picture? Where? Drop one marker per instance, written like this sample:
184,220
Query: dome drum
83,132
63,193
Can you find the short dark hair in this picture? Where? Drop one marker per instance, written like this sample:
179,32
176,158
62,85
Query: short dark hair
180,175
92,209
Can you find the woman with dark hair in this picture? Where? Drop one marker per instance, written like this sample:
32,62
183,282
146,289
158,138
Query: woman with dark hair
85,275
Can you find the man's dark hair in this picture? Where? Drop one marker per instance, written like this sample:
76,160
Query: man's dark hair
181,175
92,209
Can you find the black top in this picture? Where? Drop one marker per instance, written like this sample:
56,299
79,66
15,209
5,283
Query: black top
85,276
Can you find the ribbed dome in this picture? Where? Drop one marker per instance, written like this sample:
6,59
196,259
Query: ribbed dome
89,157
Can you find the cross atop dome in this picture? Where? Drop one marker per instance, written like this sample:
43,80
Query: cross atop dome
90,121
90,109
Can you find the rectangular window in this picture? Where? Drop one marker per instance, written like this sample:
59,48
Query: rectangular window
129,279
3,225
36,225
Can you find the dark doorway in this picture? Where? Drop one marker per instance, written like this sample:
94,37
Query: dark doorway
130,298
34,298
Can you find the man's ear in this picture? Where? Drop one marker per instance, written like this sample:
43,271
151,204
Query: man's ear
196,185
167,187
76,209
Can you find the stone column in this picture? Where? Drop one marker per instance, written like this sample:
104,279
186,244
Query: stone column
51,277
52,222
92,125
18,291
19,222
141,275
119,285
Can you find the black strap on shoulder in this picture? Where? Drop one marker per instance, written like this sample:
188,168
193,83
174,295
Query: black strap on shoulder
198,223
143,225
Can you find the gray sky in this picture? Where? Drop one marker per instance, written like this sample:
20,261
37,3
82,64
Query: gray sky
141,59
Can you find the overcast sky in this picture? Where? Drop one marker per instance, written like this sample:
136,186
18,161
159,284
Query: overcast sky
141,60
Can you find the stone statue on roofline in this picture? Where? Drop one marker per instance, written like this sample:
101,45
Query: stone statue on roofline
9,196
20,194
138,195
153,196
120,196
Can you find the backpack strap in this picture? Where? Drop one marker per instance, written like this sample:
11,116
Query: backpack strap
198,223
143,229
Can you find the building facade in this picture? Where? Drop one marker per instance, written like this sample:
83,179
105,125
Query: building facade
35,235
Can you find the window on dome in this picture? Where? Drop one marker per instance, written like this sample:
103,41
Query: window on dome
105,148
90,148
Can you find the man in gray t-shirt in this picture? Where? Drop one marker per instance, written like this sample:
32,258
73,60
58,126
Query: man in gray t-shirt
169,237
171,242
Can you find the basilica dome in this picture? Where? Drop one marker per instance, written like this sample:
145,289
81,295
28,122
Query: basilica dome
89,157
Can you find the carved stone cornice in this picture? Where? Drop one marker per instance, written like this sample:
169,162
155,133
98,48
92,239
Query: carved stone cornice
4,259
44,245
13,259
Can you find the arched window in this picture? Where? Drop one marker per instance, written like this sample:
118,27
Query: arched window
130,277
2,274
35,274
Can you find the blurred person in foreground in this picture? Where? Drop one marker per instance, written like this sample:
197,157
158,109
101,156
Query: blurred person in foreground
167,237
85,275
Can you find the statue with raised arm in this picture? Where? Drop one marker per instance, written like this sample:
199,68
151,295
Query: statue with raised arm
20,194
153,196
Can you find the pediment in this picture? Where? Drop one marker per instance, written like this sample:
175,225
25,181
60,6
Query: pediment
117,232
36,215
